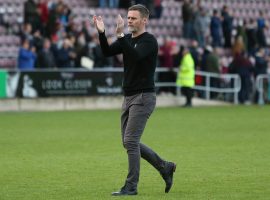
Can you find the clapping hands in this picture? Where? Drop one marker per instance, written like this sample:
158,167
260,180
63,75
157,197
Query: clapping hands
119,25
98,21
99,24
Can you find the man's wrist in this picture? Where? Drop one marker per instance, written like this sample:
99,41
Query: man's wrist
102,31
120,35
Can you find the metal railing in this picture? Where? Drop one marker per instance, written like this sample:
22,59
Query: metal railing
260,86
233,80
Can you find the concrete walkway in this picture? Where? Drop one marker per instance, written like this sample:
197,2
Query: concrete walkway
90,103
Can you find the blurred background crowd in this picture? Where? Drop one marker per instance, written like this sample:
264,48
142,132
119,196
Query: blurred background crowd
226,36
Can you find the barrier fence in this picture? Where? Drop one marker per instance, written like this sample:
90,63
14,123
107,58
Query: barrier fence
263,87
226,83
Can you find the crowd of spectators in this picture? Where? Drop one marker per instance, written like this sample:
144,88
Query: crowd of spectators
51,38
55,40
211,35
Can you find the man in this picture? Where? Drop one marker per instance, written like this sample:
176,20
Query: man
215,29
27,56
186,75
227,26
212,66
187,15
45,57
139,51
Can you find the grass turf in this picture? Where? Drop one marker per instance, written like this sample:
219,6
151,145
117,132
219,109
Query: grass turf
221,153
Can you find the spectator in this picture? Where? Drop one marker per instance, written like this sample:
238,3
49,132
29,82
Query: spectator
37,41
65,55
166,56
158,8
215,29
260,31
212,65
242,33
2,20
238,46
243,67
53,21
251,37
227,27
60,35
177,57
187,15
31,14
201,24
72,26
64,13
212,60
203,61
261,64
196,55
194,51
203,67
26,33
186,76
166,52
80,48
73,55
85,28
43,11
45,57
27,56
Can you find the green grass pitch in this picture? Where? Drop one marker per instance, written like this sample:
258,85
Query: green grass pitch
221,153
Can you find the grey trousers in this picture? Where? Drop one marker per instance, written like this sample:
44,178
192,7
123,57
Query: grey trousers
136,110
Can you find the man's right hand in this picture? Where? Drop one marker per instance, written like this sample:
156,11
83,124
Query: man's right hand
99,23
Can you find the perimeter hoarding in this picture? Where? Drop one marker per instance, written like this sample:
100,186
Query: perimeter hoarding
3,80
29,84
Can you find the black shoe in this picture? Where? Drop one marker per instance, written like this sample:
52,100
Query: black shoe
167,175
124,192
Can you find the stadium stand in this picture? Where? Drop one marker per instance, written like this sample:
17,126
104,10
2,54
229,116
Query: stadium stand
169,25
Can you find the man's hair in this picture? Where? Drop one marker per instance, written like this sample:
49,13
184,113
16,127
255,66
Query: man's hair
142,10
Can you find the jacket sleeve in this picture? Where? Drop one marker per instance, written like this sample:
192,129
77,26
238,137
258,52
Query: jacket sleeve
109,50
26,54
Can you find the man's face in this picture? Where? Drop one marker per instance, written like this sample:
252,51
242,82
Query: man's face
135,21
